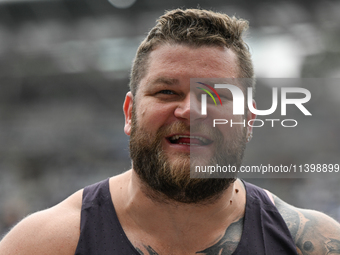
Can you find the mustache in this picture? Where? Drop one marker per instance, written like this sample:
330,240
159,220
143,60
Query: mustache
181,127
177,127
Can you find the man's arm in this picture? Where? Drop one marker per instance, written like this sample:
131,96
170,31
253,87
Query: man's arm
52,231
312,231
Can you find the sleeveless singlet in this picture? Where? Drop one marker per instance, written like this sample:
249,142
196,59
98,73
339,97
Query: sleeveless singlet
264,230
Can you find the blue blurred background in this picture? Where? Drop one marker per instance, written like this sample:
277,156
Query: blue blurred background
64,67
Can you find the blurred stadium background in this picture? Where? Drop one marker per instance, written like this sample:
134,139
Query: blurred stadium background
64,67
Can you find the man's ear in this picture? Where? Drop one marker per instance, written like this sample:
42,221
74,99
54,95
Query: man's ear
250,116
127,108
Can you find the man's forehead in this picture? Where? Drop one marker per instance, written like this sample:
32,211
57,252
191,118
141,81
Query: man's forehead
166,61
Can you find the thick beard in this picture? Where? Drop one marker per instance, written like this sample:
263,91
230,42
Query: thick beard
171,181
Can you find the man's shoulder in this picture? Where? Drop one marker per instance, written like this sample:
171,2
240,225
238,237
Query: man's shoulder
312,231
52,231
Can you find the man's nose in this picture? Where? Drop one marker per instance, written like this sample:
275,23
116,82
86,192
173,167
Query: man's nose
189,108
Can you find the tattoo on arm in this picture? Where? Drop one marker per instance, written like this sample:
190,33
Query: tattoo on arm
148,249
291,217
333,246
312,232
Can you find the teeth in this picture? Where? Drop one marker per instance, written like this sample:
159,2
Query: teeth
202,139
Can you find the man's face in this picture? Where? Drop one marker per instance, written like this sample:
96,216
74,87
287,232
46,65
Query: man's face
168,132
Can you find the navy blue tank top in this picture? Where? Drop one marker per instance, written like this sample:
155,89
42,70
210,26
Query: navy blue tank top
264,230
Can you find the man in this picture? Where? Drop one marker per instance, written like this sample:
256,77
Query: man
156,208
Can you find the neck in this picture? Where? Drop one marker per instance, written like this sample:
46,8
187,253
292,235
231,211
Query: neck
155,216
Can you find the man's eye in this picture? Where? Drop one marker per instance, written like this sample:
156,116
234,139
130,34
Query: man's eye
167,92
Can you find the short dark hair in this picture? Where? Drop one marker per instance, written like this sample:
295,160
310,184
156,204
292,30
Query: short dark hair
196,28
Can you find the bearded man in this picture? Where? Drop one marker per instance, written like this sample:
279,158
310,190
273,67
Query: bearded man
157,207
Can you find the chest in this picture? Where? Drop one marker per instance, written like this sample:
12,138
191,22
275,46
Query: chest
226,243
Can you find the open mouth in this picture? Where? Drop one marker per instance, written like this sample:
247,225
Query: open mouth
189,140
